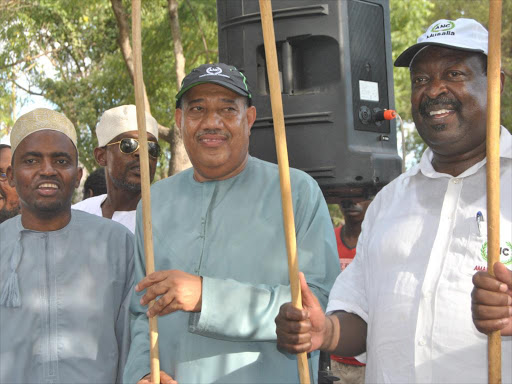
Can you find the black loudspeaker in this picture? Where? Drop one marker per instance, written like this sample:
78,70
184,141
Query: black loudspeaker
335,66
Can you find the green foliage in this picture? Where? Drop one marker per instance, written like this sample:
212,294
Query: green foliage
84,73
336,215
408,21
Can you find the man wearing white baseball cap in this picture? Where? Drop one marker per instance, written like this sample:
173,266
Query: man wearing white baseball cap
118,152
406,299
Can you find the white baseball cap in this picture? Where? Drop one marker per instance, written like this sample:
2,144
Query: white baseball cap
119,120
462,34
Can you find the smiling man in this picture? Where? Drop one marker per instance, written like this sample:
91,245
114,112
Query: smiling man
118,153
9,202
65,275
220,252
406,298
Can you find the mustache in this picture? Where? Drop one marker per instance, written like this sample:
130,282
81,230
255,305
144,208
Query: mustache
48,179
441,101
211,132
132,164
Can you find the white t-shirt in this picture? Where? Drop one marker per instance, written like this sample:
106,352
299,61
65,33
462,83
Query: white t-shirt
93,205
411,278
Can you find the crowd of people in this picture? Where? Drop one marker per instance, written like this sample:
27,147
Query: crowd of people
405,290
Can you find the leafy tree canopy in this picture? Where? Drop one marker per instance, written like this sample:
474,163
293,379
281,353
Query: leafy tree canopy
85,73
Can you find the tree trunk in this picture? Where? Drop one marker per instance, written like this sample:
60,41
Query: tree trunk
126,49
179,157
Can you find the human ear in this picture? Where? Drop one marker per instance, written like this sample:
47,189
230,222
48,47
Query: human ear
10,176
251,116
79,174
100,154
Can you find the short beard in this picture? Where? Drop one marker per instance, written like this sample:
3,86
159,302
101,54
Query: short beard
122,184
54,207
6,214
126,186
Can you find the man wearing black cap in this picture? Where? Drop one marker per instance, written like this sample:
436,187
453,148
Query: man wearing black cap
220,250
406,298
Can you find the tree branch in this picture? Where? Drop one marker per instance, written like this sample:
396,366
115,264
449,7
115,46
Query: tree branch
25,89
124,43
179,57
29,58
123,40
203,36
179,159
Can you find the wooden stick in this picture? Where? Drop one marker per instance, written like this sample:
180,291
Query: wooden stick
145,181
267,25
493,170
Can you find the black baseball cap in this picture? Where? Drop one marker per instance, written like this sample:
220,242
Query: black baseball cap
221,74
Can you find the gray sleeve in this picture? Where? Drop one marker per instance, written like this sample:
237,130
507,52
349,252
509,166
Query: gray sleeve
122,326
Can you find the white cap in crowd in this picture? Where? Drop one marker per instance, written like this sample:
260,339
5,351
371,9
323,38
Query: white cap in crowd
121,119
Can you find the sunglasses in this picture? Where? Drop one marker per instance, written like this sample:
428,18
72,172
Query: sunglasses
129,145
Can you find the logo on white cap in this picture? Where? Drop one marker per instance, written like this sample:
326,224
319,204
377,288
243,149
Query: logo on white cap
441,27
214,71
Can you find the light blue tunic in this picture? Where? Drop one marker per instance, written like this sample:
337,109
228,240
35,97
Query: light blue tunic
231,233
75,284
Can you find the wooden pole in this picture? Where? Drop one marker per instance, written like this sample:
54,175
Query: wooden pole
145,181
267,25
493,170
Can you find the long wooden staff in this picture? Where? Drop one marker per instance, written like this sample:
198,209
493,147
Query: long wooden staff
493,170
144,171
267,25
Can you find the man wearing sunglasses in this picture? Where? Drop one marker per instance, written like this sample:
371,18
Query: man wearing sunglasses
118,153
220,253
9,202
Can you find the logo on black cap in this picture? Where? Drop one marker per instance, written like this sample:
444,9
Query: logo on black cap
214,71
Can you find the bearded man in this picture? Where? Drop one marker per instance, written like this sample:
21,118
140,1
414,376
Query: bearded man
65,275
118,153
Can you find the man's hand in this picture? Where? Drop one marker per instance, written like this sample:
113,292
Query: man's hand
301,330
491,302
178,291
164,379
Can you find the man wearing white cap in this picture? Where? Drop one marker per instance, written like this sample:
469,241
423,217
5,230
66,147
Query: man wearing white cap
118,152
65,275
406,298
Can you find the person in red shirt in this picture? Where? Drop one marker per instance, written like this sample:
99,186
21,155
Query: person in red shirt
348,369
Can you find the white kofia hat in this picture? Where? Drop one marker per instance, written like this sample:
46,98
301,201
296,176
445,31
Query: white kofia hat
462,34
119,120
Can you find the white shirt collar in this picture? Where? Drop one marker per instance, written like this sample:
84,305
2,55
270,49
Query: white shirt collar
425,164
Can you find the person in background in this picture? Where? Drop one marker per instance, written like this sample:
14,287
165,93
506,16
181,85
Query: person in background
347,234
348,369
118,153
95,184
9,201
